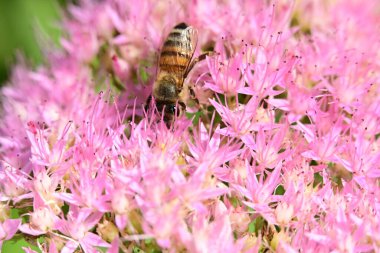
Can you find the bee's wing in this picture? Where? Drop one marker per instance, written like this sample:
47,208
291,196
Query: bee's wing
192,34
178,50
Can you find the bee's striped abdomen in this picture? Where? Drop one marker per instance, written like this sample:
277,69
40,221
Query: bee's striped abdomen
177,50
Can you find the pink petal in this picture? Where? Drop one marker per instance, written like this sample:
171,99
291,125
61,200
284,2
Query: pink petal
120,40
213,193
323,239
121,221
27,229
68,197
114,246
243,191
52,247
10,227
282,104
310,154
70,247
95,240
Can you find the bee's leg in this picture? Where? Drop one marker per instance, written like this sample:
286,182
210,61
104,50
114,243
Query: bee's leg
182,104
192,93
196,60
180,108
148,103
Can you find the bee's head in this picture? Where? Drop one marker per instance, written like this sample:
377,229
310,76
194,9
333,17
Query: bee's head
166,98
169,110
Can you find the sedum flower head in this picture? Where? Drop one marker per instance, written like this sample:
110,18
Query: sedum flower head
278,149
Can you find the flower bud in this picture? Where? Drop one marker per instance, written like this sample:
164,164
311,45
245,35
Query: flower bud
120,203
107,230
42,219
284,213
4,212
277,238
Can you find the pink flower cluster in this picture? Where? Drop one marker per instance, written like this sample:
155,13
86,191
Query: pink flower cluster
279,150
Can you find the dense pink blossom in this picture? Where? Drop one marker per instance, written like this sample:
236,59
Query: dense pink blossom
278,149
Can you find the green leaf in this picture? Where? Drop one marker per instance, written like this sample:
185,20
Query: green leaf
278,115
313,163
65,208
256,225
234,201
195,116
148,241
143,74
305,120
137,250
15,213
338,181
117,84
318,179
251,227
280,190
15,245
155,251
102,249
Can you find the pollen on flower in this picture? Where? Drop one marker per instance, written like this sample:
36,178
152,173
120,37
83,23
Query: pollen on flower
262,115
181,160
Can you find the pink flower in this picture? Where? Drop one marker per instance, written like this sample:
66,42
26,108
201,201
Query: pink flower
298,103
88,192
239,120
263,75
207,152
278,150
226,75
8,228
266,147
259,192
364,168
323,145
41,221
77,226
44,187
13,184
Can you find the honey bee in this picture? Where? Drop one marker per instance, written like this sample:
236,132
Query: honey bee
174,64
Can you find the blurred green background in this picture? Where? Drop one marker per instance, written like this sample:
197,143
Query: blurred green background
22,24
